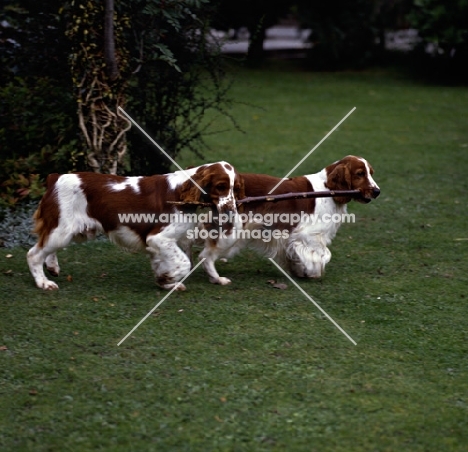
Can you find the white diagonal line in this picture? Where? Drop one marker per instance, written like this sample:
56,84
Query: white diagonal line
160,148
310,152
154,309
314,302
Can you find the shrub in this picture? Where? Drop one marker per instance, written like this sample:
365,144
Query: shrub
38,135
443,27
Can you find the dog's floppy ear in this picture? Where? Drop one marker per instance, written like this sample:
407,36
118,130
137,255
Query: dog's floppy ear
339,178
189,192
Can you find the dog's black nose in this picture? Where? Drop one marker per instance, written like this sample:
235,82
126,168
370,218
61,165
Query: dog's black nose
376,192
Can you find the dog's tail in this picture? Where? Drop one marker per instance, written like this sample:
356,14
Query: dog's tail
46,215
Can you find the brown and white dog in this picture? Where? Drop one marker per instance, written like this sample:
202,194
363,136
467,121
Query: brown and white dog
300,245
77,206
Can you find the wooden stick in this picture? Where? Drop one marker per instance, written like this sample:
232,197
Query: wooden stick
282,197
305,195
191,203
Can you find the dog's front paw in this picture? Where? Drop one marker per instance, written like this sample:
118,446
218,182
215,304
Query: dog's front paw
47,285
221,280
178,286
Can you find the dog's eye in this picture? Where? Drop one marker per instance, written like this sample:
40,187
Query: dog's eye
360,174
221,187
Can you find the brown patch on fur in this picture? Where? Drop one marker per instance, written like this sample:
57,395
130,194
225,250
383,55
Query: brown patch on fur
104,203
46,216
164,279
52,179
239,190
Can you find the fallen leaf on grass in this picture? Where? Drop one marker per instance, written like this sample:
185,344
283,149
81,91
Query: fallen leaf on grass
32,392
277,285
8,272
3,348
218,419
99,298
280,286
223,399
69,278
8,256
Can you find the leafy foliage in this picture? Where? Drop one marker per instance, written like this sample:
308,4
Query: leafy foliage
443,25
170,75
98,94
18,181
32,41
442,22
37,135
179,76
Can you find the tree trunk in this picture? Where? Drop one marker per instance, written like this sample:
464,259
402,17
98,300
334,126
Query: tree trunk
109,41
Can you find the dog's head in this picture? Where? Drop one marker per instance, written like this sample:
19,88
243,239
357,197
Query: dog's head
221,182
352,173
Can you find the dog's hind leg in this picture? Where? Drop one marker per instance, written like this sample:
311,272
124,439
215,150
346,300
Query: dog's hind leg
38,255
52,265
36,258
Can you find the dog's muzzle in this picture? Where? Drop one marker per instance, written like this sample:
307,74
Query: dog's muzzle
227,205
368,195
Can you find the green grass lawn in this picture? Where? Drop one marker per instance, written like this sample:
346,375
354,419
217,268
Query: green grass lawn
247,367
